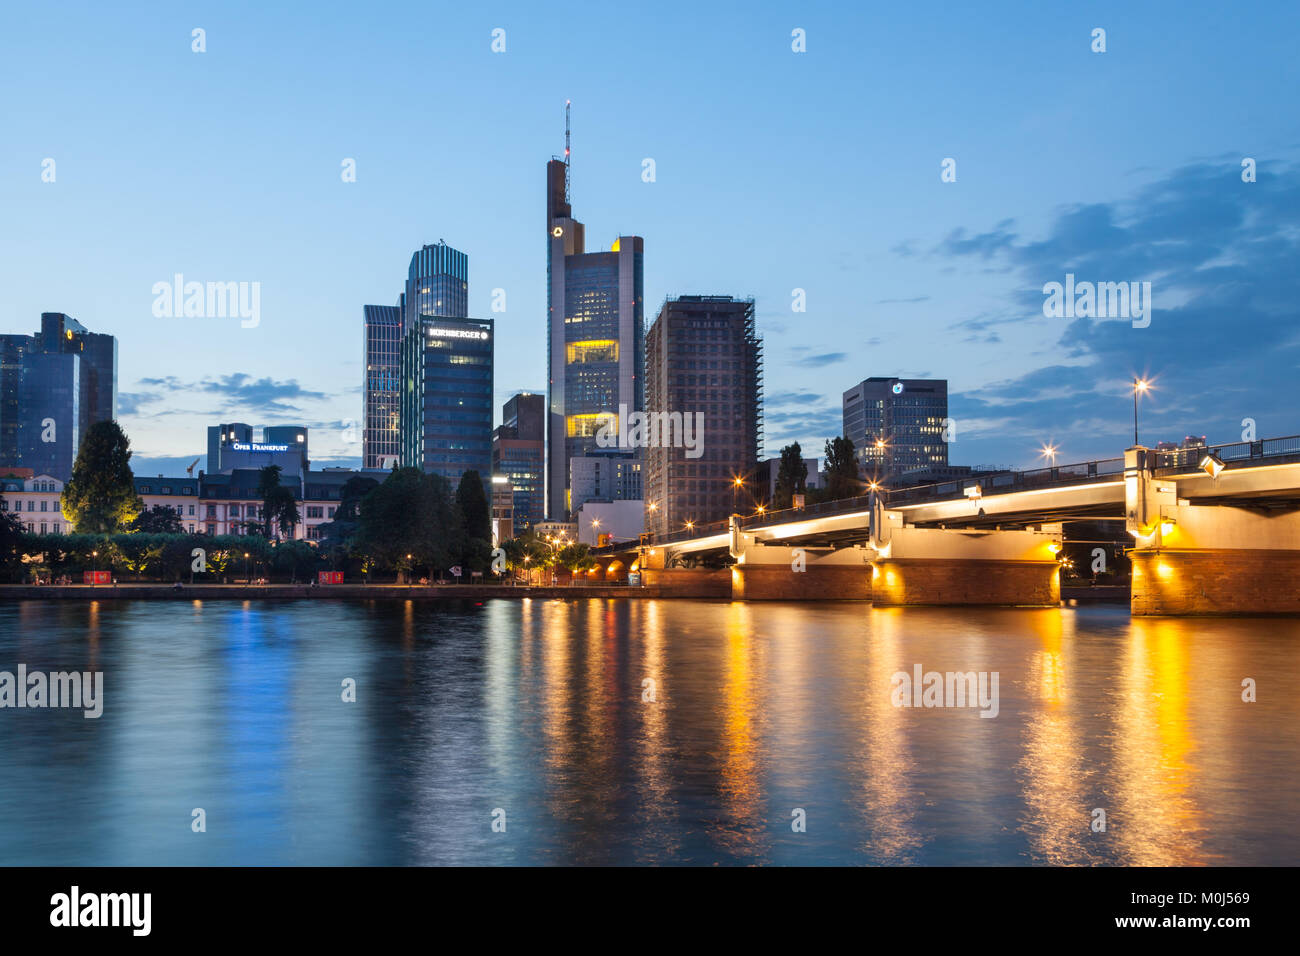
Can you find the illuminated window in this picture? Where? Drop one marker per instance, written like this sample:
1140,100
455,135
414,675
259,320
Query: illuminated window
592,350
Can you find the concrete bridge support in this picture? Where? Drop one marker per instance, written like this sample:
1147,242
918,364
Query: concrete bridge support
950,567
766,572
1211,558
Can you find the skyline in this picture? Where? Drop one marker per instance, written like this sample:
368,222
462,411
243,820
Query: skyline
1140,182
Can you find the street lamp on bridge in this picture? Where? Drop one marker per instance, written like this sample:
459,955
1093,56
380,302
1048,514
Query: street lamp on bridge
1140,386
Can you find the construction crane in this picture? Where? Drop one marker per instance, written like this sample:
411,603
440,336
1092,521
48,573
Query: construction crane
190,470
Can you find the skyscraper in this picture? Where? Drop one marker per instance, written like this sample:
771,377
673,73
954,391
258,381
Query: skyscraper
897,424
381,440
446,401
437,284
54,384
595,335
518,455
704,363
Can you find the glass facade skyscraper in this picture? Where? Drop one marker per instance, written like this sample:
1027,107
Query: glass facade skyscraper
518,455
437,283
54,385
446,401
381,440
595,338
897,424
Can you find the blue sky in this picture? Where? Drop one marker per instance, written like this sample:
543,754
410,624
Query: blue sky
775,170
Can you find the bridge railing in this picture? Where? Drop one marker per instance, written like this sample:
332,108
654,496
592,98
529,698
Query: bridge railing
1003,482
1232,453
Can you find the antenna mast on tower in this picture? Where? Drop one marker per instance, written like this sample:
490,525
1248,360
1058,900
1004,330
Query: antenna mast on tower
566,151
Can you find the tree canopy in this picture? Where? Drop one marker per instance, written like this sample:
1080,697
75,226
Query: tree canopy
791,476
100,497
842,479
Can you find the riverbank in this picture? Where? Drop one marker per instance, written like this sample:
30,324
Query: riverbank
453,592
191,592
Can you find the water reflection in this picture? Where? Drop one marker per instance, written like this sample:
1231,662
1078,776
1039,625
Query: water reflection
614,731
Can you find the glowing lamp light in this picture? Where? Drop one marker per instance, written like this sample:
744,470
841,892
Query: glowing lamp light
1212,465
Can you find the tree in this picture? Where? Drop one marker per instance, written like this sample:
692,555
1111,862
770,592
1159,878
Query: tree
842,479
279,507
157,520
11,540
475,521
100,497
410,513
791,476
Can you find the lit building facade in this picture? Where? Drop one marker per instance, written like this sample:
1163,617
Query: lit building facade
897,424
518,455
437,284
446,410
595,337
381,438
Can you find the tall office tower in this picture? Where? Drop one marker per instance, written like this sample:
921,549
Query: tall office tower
446,405
704,363
13,351
54,385
897,424
98,352
595,336
437,283
518,455
381,438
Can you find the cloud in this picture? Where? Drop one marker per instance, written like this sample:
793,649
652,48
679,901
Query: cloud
1224,338
240,392
821,360
919,298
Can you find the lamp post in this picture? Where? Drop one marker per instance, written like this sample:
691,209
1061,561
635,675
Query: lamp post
94,567
736,484
1140,385
248,579
408,572
1049,452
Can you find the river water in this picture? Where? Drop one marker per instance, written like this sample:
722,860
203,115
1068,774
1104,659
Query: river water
599,731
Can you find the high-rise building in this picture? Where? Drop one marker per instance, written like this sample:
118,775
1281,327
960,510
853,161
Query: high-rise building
595,336
704,365
446,410
437,284
54,385
381,439
518,455
897,424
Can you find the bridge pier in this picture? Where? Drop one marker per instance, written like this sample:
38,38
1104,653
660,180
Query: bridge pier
781,573
1205,556
948,567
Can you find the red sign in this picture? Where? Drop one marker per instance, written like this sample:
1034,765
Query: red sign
329,577
96,577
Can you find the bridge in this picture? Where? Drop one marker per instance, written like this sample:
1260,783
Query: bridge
1215,530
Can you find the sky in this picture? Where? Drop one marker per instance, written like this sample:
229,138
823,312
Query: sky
774,171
